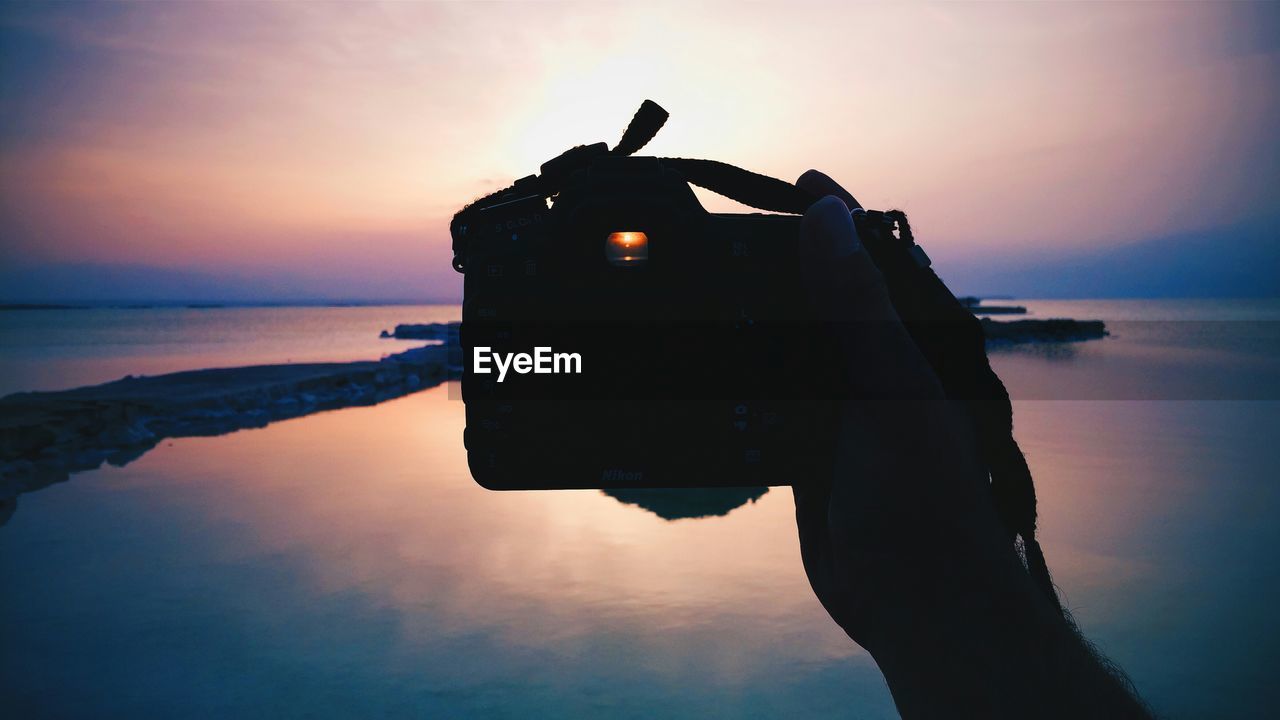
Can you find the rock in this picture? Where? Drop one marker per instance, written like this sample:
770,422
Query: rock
977,308
45,436
425,331
998,310
127,434
1055,330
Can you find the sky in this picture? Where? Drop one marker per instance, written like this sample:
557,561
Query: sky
274,151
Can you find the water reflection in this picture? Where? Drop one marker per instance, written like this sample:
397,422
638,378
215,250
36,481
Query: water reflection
678,503
1063,351
1144,360
345,564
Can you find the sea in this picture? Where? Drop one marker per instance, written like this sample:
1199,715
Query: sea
344,564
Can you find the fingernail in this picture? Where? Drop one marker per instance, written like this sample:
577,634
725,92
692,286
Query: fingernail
827,230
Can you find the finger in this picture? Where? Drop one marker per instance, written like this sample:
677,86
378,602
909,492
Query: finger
843,280
849,295
821,185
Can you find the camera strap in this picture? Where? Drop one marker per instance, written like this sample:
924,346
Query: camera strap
751,189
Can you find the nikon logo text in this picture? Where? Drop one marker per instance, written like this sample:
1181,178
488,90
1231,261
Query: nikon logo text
542,362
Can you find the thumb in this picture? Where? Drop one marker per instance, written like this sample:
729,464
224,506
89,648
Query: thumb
849,296
843,281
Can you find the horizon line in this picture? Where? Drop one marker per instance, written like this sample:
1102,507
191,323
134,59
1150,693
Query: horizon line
203,304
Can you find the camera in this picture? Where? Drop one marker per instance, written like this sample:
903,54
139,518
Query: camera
615,334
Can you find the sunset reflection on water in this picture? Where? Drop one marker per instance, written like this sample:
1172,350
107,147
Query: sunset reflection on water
372,510
345,563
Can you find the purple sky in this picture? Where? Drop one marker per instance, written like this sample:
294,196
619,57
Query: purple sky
283,151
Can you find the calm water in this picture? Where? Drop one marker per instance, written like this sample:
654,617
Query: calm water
344,564
56,349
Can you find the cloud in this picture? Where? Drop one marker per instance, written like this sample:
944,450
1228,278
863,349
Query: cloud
269,135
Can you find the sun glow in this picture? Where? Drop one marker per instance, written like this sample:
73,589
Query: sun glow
628,248
333,140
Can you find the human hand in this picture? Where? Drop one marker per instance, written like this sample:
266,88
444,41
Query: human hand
901,541
906,483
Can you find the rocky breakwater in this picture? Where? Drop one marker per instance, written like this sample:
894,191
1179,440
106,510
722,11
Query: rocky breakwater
1054,330
45,436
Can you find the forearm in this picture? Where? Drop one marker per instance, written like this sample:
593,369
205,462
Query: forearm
998,653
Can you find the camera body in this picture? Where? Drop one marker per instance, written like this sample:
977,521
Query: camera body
663,345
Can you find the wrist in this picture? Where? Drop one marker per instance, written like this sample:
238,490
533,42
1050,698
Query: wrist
961,625
974,652
989,644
